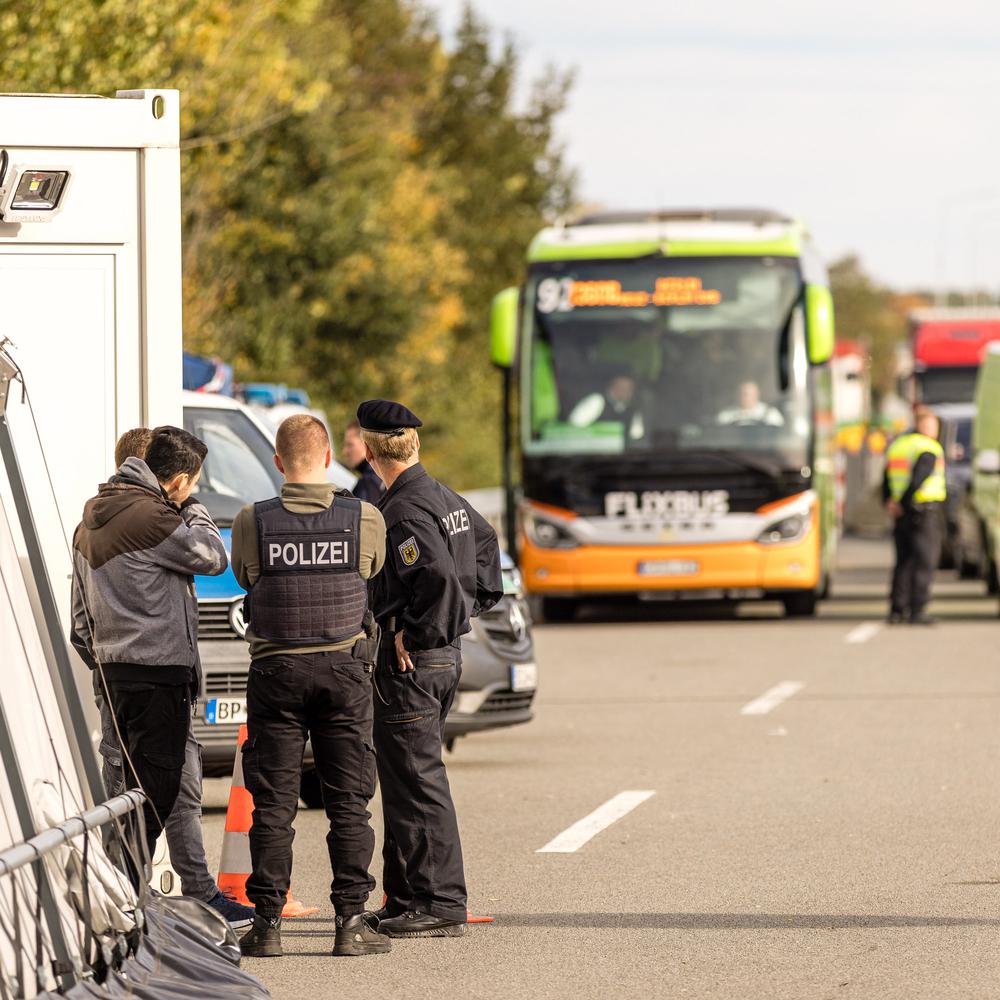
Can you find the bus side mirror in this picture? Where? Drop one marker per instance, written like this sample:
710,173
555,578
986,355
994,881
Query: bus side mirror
503,327
819,323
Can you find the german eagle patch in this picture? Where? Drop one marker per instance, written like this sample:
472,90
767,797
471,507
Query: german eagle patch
409,551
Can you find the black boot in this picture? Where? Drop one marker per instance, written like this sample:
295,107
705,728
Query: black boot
374,917
414,924
263,940
355,936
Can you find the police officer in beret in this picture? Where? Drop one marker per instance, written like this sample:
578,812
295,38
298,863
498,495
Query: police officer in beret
442,568
305,558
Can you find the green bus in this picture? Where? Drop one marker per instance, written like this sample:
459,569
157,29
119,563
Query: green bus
669,406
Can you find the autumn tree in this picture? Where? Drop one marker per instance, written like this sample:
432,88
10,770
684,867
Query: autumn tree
354,192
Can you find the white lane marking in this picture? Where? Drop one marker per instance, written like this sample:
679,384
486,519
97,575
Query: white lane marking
772,698
574,837
862,633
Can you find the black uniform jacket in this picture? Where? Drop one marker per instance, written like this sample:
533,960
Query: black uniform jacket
442,563
368,487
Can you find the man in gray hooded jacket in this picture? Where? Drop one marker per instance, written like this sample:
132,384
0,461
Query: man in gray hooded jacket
135,615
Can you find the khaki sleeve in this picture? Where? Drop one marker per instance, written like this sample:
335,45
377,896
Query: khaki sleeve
372,541
244,555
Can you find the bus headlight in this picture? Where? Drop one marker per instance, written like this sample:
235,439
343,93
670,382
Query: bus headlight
546,532
788,529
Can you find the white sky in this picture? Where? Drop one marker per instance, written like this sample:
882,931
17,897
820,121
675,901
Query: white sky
878,122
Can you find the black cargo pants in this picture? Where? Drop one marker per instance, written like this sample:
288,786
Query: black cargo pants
326,697
917,536
422,852
153,720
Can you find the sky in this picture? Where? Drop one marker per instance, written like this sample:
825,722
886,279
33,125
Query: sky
878,123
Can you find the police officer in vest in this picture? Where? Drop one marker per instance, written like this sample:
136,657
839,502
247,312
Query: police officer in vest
442,567
914,490
305,558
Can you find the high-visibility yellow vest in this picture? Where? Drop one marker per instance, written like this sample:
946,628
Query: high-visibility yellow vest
900,459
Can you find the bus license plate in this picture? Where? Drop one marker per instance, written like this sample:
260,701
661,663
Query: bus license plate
669,567
226,711
523,676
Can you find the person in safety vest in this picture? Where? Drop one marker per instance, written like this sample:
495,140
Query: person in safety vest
442,568
914,490
305,559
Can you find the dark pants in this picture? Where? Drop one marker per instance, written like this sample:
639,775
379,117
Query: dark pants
326,697
185,838
153,720
422,852
917,534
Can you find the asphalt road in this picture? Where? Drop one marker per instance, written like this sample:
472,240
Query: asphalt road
843,843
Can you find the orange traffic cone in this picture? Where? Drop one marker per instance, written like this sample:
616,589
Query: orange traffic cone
235,866
470,917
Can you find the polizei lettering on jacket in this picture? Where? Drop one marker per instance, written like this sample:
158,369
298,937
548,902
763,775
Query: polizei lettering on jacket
457,521
294,555
667,505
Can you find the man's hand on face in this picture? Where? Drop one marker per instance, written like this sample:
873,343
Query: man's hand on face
181,487
402,656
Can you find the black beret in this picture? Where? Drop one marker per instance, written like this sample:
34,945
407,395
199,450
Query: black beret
385,416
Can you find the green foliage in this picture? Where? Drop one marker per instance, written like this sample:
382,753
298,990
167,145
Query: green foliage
873,316
354,192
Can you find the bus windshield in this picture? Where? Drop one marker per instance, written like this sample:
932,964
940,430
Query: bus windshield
667,355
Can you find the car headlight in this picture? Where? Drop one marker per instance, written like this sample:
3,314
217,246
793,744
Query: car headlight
546,532
788,529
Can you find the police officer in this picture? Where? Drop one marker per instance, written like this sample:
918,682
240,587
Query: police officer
368,487
914,490
442,567
304,559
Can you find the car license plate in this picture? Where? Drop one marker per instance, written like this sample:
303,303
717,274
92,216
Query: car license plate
669,567
523,676
226,711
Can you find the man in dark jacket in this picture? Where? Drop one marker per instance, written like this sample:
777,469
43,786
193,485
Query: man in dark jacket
368,487
183,830
135,616
442,568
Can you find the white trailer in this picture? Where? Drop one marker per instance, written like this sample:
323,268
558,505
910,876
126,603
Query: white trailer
90,286
90,344
90,298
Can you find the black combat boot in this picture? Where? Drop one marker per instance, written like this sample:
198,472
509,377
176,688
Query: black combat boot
355,936
374,917
263,940
415,923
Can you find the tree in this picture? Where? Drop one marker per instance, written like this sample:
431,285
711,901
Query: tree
870,314
353,194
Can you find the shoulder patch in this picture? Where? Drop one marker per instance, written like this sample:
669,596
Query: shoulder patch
409,551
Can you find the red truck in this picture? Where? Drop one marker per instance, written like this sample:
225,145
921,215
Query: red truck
948,347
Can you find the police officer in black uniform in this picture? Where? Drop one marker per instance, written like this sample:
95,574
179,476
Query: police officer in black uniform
305,558
368,487
442,568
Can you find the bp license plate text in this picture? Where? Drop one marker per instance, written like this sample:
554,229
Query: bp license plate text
226,711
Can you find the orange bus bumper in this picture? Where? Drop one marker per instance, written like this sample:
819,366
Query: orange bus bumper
604,569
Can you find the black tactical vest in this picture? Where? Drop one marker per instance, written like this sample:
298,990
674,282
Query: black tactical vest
309,592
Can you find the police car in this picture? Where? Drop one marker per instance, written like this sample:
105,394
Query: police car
499,675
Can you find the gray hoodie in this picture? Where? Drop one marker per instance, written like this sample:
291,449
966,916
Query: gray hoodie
134,556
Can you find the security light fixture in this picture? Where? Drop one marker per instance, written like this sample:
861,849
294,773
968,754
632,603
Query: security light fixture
29,194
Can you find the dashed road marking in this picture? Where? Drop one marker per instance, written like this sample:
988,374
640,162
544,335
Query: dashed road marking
772,698
574,837
862,633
